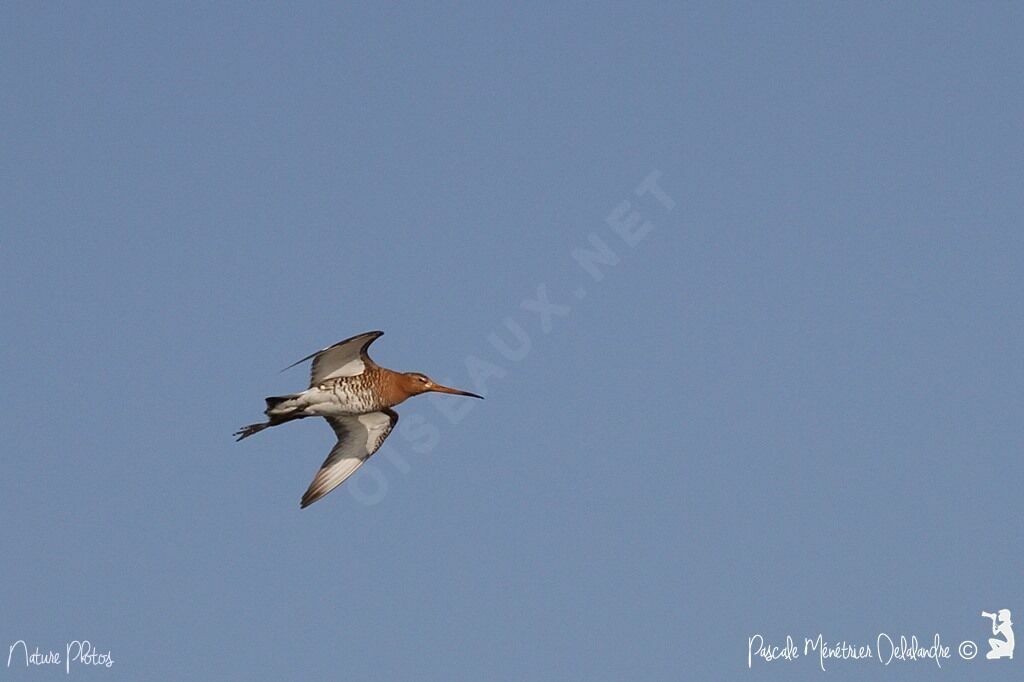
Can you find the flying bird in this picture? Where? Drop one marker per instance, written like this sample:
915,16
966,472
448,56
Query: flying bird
355,395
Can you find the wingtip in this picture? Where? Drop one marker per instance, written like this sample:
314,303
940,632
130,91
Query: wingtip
308,498
376,334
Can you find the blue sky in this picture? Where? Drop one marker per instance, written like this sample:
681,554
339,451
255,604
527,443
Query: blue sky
788,403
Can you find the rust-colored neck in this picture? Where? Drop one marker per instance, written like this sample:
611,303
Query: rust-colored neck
393,387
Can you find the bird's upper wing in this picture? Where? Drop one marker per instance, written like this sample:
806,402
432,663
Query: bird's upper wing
359,436
344,359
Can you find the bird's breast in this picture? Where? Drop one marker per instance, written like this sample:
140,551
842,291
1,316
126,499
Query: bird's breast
352,395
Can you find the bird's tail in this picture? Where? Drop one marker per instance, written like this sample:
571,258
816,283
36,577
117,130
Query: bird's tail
281,405
280,409
275,400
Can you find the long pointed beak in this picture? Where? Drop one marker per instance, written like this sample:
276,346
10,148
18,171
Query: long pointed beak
454,391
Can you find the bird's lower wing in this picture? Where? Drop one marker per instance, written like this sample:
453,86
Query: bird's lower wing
359,436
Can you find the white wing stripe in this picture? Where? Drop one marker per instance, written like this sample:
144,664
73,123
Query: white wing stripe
344,359
378,426
358,437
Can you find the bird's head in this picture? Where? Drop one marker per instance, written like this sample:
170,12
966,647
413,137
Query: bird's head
415,383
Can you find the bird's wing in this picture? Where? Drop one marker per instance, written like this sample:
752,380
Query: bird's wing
344,359
359,436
